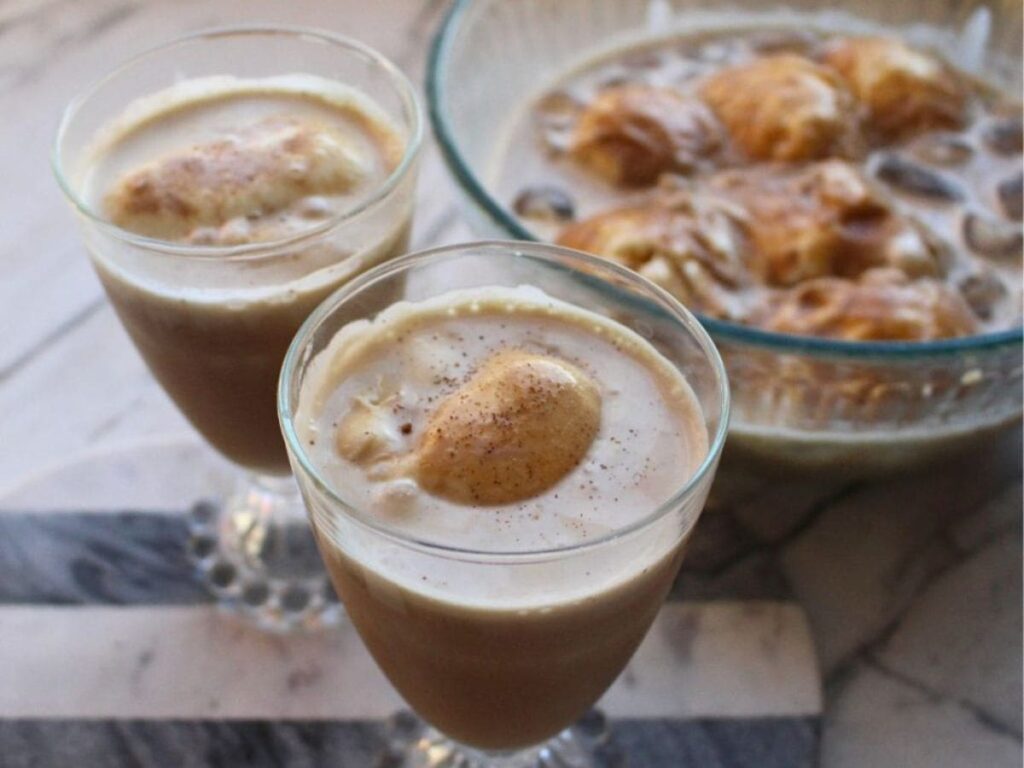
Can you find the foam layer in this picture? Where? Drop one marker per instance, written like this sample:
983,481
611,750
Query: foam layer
402,365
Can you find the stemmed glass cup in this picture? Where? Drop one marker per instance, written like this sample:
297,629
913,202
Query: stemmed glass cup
502,679
213,322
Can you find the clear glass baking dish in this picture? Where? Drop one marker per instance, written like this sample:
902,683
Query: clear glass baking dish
797,400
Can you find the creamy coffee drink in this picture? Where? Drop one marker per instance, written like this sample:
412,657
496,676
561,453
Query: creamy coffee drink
235,186
501,424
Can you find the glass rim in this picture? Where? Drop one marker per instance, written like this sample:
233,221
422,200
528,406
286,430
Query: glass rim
551,255
726,330
413,145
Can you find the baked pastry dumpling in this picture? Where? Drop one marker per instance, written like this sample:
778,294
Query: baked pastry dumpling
823,219
631,134
242,179
542,413
684,244
880,305
903,90
783,107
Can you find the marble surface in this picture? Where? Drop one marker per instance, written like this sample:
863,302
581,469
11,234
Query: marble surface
722,660
114,643
906,636
72,580
297,744
849,623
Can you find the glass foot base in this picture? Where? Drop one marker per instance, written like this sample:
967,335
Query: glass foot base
255,552
411,743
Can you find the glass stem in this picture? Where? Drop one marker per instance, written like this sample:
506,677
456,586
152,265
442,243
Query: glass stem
411,743
256,553
267,519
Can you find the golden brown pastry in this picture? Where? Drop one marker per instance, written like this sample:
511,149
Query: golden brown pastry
214,187
629,135
881,305
824,219
783,107
630,236
686,245
904,90
516,428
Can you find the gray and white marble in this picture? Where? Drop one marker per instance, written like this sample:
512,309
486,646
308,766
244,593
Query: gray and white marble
911,585
913,589
116,558
101,615
139,558
746,743
721,660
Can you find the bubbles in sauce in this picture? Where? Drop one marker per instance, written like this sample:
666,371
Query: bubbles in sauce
546,203
914,179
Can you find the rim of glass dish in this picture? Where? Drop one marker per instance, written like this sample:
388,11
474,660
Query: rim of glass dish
551,255
412,149
720,329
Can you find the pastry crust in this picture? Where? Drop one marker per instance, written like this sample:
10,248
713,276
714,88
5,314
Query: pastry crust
784,107
824,219
630,135
238,182
882,305
688,246
903,90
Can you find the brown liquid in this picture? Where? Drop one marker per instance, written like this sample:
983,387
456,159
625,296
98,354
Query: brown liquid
492,678
214,330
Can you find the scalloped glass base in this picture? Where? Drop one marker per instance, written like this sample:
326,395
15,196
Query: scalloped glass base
256,554
414,744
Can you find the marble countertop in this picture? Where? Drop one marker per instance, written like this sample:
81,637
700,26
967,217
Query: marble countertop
818,621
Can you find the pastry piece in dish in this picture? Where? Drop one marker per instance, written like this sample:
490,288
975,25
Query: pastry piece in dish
904,91
822,219
686,244
881,305
629,135
784,107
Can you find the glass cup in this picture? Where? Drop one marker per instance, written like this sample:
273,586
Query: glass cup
502,684
213,322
